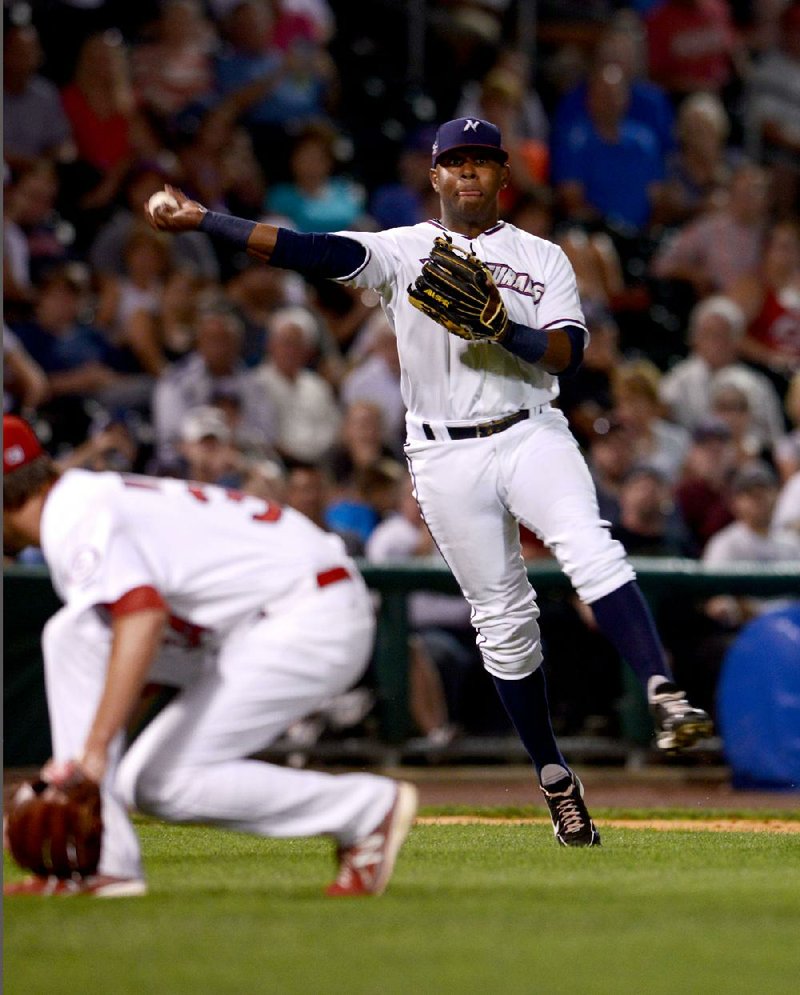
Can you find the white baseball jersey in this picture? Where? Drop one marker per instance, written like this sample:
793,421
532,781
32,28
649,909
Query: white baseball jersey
286,636
445,378
215,556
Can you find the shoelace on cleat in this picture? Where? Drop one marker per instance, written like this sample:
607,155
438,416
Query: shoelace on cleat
570,816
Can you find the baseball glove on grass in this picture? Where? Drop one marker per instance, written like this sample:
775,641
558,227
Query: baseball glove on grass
457,290
56,830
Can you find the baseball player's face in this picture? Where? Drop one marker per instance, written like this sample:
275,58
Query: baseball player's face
468,182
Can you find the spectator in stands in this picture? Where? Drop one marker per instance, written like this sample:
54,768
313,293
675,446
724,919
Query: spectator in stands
78,362
701,639
787,449
655,441
439,621
597,266
610,169
586,397
770,298
202,157
17,284
376,378
512,71
720,246
773,111
692,45
276,91
621,46
702,491
534,212
264,478
110,132
786,518
213,370
112,444
24,381
610,457
174,70
716,328
699,171
315,200
730,403
129,306
361,444
309,489
191,250
649,523
306,407
751,538
410,198
255,291
172,325
34,122
206,451
35,236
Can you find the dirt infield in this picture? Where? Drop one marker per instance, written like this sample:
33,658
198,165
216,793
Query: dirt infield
695,789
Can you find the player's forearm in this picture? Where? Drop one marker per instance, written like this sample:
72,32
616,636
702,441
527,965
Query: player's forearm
136,638
559,351
318,255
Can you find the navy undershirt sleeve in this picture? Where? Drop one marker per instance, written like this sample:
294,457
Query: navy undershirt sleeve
530,344
331,256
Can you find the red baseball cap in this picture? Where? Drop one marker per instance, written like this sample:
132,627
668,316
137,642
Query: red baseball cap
20,445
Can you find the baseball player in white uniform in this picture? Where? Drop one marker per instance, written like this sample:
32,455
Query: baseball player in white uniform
485,445
265,617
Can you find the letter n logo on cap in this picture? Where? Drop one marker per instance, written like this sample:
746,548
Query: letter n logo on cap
471,125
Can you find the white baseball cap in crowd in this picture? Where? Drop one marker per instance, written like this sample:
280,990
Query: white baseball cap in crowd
205,422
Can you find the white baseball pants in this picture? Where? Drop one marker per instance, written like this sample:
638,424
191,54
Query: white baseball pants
189,764
472,493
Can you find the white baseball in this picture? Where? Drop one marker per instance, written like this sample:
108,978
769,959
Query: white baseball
161,199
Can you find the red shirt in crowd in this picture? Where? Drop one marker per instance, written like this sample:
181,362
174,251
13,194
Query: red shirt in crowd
690,44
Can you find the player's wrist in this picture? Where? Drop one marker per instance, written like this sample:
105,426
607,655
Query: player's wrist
237,231
529,344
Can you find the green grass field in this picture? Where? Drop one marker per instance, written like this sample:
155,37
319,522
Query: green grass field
476,908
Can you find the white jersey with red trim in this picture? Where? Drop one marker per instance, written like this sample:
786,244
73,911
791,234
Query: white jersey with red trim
445,378
215,556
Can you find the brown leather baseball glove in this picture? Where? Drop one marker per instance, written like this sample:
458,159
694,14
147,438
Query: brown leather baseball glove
56,830
457,290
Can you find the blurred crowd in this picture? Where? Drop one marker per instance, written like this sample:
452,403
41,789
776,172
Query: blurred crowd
657,142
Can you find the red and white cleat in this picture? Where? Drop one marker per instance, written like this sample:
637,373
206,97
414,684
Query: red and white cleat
98,885
366,866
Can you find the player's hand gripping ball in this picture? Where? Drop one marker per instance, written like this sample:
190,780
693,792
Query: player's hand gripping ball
54,830
457,290
161,199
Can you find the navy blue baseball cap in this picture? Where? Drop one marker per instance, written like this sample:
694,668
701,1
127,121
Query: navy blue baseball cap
468,133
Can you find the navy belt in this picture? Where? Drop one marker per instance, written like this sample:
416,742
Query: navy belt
483,429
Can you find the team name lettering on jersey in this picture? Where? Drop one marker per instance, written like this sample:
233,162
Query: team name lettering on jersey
520,283
507,278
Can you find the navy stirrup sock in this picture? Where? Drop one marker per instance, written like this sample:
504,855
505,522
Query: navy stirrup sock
526,704
625,619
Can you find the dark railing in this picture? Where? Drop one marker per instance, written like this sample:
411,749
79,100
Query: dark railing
29,600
